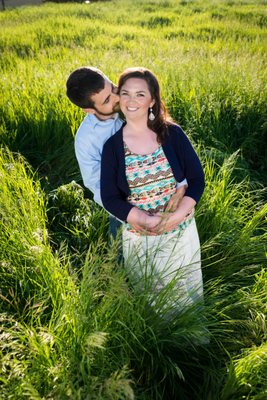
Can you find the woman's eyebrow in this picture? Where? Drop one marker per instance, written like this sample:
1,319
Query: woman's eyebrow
139,91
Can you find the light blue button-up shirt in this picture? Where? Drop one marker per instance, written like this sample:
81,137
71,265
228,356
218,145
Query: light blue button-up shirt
89,141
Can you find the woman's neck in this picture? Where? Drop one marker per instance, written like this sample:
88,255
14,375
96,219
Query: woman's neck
138,128
139,138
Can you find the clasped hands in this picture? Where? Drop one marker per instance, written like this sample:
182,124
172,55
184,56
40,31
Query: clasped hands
152,224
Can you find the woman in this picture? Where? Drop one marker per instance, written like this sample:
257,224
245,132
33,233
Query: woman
141,165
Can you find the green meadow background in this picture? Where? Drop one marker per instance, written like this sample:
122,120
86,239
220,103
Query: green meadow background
73,325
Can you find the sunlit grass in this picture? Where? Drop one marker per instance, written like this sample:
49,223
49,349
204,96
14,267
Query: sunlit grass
210,61
232,219
73,324
89,330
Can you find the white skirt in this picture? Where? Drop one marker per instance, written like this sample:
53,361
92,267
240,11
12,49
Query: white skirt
169,259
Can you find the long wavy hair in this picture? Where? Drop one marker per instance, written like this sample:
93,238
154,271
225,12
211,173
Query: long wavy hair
162,118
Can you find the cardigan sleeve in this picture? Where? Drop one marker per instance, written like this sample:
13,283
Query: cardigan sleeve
113,199
192,167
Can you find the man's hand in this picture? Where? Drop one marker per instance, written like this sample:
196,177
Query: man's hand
170,221
174,201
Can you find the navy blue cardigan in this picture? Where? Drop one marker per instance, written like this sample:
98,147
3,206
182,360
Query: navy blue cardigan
182,157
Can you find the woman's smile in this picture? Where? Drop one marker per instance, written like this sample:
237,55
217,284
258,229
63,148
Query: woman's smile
135,98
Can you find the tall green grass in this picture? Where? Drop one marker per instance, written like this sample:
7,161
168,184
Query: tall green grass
73,324
232,221
69,332
51,324
210,60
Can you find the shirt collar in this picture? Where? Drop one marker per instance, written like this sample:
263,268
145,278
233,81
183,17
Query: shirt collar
95,121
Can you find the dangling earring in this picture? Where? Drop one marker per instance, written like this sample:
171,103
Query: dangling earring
151,116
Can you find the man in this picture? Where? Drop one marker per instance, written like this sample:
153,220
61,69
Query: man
91,90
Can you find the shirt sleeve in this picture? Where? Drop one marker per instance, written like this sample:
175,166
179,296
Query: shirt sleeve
88,158
113,199
180,184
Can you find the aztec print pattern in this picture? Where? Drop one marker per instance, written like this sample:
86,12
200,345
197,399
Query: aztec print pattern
151,182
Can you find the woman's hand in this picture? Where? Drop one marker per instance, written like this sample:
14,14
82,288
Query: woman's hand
169,221
143,221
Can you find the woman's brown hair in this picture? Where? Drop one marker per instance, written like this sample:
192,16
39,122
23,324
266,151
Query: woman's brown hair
162,118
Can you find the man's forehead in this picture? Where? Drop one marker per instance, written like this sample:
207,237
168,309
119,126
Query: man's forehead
102,95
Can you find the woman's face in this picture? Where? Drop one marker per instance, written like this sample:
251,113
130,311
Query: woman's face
135,99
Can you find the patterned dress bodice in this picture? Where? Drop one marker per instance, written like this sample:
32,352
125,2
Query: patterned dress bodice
151,181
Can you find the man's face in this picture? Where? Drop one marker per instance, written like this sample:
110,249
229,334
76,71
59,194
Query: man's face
106,102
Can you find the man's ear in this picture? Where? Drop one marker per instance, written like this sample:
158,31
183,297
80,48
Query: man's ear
89,110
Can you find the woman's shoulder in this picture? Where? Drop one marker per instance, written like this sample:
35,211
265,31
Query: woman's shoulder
174,132
176,136
174,128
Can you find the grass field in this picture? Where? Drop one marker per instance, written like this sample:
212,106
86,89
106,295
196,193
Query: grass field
73,325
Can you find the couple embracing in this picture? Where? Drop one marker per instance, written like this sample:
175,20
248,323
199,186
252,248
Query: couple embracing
144,171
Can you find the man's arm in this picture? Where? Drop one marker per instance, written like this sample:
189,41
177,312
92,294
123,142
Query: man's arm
170,220
177,196
88,158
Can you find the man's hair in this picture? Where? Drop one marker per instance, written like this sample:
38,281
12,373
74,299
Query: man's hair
82,84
